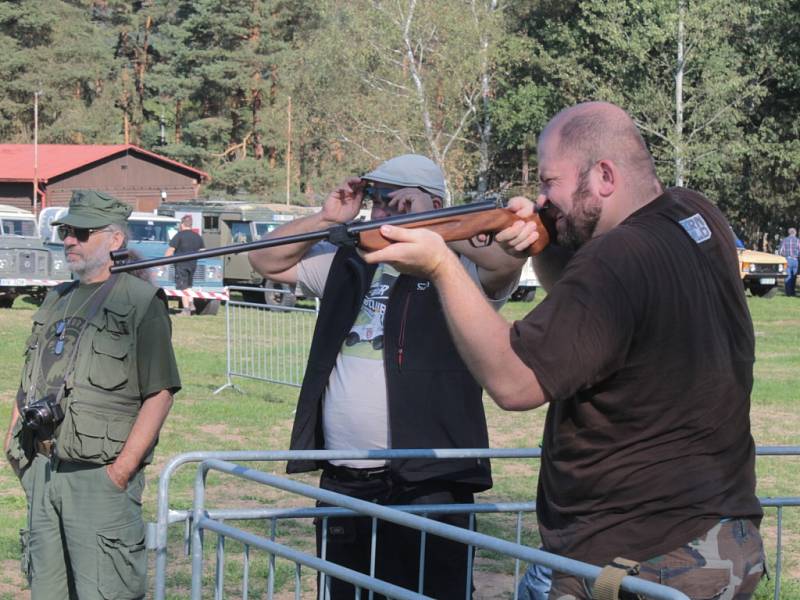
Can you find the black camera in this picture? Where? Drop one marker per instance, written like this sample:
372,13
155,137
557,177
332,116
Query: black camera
42,413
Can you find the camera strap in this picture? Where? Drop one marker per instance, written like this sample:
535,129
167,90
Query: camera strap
94,305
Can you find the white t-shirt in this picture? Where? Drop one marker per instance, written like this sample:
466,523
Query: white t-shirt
355,407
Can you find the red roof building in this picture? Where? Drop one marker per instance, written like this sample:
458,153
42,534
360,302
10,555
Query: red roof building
141,178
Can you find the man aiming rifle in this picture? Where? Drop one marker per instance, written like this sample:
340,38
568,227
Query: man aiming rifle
643,351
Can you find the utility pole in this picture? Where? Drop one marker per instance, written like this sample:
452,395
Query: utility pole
289,151
36,95
679,70
162,122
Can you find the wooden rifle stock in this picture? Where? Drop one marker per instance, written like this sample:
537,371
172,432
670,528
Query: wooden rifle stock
462,227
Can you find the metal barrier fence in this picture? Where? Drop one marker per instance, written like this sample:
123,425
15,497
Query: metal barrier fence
266,342
212,518
472,539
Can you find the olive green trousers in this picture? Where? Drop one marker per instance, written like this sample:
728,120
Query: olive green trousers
85,536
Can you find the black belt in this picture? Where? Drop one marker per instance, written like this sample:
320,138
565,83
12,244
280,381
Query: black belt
341,473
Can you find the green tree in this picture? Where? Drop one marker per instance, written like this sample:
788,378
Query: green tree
408,80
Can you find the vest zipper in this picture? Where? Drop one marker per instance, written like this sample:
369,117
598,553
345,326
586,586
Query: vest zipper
402,339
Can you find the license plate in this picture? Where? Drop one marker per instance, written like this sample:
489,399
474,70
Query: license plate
767,280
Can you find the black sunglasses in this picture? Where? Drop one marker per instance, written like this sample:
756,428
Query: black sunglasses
79,233
377,194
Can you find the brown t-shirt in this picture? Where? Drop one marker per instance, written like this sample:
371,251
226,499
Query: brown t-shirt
645,349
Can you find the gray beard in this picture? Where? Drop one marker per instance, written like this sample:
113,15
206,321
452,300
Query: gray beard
89,267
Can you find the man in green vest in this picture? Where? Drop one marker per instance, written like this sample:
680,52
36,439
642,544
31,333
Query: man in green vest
96,386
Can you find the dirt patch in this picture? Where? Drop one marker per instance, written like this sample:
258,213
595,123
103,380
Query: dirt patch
493,586
491,580
222,431
11,584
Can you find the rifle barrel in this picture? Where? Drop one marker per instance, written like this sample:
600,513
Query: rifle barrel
344,231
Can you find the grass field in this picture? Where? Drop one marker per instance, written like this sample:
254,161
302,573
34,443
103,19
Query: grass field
261,417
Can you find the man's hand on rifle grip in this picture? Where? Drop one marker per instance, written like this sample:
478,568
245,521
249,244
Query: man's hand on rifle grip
517,239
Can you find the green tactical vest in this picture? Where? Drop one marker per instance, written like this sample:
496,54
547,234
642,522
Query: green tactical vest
103,394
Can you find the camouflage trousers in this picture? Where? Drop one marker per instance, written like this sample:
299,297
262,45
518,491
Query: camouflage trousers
725,564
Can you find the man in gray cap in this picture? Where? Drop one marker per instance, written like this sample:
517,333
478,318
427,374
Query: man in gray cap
96,386
383,372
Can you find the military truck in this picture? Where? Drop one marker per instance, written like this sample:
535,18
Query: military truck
25,264
148,236
226,222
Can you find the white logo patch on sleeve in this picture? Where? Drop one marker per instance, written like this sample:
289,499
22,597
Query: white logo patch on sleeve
697,228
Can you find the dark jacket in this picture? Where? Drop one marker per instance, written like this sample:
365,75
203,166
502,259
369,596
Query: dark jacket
434,402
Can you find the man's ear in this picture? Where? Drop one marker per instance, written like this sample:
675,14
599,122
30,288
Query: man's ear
437,202
117,240
607,177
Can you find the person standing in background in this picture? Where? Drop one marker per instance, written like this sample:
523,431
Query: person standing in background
790,249
185,241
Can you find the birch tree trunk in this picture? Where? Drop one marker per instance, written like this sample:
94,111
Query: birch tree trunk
679,95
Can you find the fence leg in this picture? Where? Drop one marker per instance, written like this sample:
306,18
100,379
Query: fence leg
229,384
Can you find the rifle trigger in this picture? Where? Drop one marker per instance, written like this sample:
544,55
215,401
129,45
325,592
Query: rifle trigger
488,239
339,235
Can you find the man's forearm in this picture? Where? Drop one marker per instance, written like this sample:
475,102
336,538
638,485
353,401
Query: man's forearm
14,417
7,442
142,437
272,261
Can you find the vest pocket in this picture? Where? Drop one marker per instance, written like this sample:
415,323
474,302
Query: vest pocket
21,446
108,368
93,436
122,562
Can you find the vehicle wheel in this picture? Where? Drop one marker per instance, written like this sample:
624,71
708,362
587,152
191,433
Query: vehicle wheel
763,291
206,307
253,297
6,301
523,294
281,296
351,339
37,297
377,343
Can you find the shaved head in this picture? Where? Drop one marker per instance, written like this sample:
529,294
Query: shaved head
594,131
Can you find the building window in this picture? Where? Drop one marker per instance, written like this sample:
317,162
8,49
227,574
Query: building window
210,223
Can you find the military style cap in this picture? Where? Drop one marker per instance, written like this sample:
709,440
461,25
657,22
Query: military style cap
90,209
410,170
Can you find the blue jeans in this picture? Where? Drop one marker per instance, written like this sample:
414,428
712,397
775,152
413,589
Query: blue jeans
791,276
535,583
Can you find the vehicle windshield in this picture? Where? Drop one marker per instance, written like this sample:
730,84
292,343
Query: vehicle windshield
262,229
151,231
241,232
18,227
